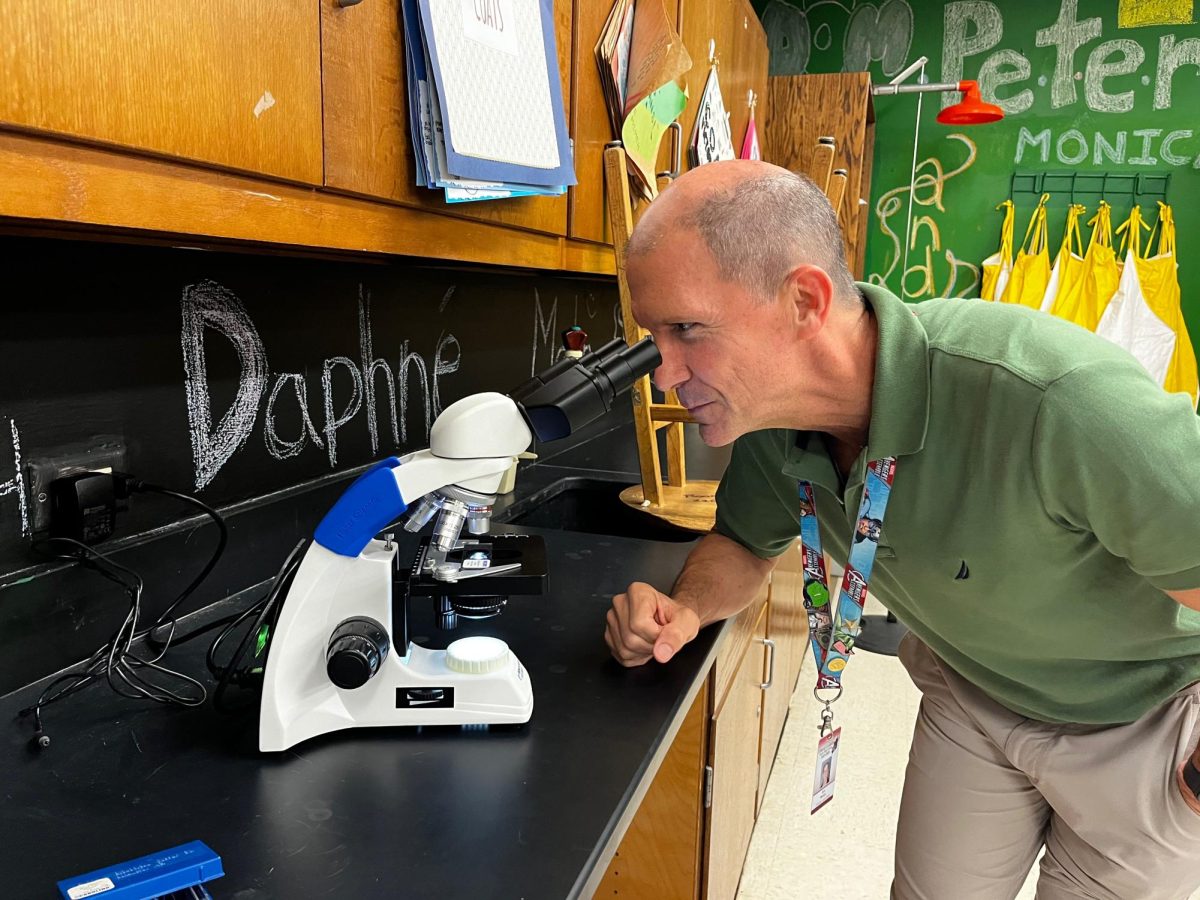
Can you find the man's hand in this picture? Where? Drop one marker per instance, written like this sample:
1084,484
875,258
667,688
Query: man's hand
644,623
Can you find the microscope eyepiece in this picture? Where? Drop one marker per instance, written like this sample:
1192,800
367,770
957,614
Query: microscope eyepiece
623,369
564,398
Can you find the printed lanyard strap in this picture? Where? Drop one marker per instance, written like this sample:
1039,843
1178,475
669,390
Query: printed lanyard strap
833,628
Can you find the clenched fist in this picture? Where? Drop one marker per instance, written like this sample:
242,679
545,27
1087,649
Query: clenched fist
644,622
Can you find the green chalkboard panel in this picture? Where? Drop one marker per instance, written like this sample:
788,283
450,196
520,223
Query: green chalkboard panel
1103,86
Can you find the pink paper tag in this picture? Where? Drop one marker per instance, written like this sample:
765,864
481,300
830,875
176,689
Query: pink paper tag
750,143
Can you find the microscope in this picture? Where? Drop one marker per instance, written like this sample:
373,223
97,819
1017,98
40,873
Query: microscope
340,655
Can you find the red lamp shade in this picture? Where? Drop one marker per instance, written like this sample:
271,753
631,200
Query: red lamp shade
971,110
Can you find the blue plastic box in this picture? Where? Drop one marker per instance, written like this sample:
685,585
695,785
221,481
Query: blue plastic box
146,877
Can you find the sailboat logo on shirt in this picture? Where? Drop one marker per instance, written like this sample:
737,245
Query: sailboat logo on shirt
963,573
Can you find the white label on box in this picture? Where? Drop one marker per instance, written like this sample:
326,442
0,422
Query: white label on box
90,888
491,22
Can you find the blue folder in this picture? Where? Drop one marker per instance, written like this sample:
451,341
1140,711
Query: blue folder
494,170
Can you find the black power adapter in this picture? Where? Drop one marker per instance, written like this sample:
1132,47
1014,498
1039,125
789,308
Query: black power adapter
83,507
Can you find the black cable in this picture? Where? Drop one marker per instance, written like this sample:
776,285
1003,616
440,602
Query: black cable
127,673
269,605
115,660
136,486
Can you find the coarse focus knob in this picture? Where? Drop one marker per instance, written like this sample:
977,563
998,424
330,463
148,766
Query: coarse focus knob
477,655
357,648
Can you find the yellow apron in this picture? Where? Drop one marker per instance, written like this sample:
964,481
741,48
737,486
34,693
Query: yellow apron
1031,270
997,267
1160,286
1084,302
1069,262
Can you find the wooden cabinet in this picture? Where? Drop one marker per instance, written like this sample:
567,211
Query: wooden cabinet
368,150
286,125
716,771
787,628
590,127
734,758
768,638
741,53
659,856
222,82
741,47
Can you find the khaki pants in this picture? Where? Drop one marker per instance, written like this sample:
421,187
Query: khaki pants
987,788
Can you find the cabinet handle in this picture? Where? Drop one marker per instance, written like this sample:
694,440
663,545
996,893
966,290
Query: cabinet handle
345,3
770,644
677,153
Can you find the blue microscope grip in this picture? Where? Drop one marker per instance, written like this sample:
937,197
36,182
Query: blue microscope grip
368,505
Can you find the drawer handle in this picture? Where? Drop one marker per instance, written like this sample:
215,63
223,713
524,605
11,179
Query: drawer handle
770,644
345,3
677,153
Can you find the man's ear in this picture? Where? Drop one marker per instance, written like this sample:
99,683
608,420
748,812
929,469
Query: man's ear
809,293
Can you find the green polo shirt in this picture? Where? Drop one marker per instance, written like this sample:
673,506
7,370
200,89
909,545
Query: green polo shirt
1042,463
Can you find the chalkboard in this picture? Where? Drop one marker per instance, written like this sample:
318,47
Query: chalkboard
234,376
1099,86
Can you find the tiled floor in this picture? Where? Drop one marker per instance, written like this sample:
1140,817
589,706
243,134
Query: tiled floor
845,850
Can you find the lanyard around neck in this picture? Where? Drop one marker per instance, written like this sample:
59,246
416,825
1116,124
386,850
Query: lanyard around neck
834,627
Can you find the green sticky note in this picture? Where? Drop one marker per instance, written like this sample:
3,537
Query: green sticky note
644,126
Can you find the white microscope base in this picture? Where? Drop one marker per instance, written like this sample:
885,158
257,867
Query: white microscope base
299,701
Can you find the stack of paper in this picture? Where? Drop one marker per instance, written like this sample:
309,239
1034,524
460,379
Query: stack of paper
612,56
484,98
640,55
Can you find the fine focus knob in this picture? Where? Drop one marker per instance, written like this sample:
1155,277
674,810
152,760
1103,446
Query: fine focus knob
477,655
357,648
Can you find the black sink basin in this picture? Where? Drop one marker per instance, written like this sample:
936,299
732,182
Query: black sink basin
593,506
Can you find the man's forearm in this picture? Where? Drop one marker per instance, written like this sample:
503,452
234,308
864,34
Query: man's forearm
720,578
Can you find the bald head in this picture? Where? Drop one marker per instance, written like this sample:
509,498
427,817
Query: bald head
758,221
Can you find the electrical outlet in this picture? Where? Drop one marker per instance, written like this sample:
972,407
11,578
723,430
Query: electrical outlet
103,454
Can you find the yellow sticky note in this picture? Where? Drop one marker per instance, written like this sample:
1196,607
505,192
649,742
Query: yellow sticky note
644,127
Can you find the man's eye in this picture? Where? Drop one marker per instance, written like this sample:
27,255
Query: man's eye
683,327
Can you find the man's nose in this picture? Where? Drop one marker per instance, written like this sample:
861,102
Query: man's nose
672,373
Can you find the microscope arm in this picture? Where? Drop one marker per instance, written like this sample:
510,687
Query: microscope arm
476,439
472,444
384,492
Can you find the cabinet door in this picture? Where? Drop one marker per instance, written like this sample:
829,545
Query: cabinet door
741,49
735,755
659,856
367,144
224,82
787,627
748,73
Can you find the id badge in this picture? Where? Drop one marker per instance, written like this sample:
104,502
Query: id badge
826,773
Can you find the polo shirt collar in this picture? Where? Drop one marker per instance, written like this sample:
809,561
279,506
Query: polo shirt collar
899,396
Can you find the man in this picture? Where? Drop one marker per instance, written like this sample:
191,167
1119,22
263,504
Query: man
1040,540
